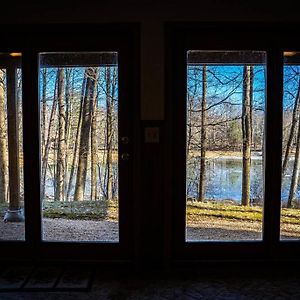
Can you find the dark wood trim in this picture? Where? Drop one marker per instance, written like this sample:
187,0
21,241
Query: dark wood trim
13,138
31,148
6,60
273,149
73,59
229,58
180,38
123,39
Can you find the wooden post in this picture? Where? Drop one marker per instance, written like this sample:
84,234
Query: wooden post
14,213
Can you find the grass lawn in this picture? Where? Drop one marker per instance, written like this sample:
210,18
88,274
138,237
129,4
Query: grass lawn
224,211
99,210
79,210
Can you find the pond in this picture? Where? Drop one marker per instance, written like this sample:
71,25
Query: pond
101,181
224,178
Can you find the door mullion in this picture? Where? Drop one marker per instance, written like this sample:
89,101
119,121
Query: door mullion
31,142
273,149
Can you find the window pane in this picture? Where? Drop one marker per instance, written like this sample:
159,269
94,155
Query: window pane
290,190
11,154
224,145
79,146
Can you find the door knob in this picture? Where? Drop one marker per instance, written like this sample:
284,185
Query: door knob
125,156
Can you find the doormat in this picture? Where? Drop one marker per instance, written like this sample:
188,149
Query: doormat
16,278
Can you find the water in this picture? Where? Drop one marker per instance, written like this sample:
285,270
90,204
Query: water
224,179
101,182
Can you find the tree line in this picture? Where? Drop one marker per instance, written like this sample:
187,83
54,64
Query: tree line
79,131
226,111
79,127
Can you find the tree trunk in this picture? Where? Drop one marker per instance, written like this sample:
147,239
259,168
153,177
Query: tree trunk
94,151
44,109
13,138
295,118
247,132
203,137
109,134
69,96
48,142
76,143
189,124
295,175
3,145
191,100
91,83
61,147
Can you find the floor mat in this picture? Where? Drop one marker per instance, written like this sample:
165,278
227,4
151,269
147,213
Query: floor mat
19,278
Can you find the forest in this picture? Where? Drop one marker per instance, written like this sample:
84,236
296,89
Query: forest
225,131
78,132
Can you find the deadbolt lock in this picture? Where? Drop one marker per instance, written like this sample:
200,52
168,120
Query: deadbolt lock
125,140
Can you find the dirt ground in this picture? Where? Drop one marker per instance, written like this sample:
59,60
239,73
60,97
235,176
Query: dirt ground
84,230
65,230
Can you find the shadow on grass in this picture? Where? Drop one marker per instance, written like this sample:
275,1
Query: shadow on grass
81,210
220,234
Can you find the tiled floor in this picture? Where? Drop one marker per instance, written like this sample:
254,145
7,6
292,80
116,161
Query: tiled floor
156,286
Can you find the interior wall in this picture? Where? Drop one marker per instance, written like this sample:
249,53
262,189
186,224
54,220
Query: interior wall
151,15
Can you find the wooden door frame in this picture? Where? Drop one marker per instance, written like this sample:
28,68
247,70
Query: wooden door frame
31,40
274,39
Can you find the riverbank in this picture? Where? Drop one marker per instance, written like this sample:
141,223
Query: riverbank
226,154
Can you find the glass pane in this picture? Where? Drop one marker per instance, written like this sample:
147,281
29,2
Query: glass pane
224,145
79,146
12,225
290,190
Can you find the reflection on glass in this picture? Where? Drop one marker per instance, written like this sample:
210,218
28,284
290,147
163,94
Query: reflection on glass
11,154
224,145
79,146
290,189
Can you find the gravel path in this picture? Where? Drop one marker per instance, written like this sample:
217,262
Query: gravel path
85,230
65,230
222,230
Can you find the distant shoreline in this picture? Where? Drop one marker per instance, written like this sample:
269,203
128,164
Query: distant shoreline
227,154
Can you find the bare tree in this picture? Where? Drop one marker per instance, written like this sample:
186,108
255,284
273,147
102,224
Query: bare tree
247,132
203,137
109,133
94,149
3,142
44,108
48,141
76,141
61,143
295,119
91,84
295,175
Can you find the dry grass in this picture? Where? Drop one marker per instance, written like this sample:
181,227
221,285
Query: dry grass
237,212
81,210
239,218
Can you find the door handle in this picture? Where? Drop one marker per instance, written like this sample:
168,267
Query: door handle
125,156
